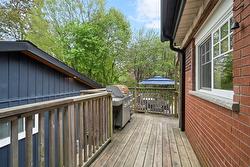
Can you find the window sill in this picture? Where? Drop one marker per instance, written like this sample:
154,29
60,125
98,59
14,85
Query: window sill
221,101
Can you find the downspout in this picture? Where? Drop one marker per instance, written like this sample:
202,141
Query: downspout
181,54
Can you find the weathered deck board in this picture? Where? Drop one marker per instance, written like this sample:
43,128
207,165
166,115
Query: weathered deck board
148,140
118,138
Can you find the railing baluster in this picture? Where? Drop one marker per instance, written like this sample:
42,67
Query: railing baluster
105,120
111,116
52,138
93,125
107,112
81,131
85,130
73,135
97,123
90,128
28,141
100,122
41,155
66,140
14,143
60,136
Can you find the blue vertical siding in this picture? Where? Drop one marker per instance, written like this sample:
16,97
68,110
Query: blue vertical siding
24,80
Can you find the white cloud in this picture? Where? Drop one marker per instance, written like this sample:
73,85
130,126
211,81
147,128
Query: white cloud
149,9
155,24
148,13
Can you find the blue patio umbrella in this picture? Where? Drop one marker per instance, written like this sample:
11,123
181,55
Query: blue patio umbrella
157,80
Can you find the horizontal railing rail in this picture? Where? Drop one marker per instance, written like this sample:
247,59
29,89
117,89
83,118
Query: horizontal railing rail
79,128
90,91
155,100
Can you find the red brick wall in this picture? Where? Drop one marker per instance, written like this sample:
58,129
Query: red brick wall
219,136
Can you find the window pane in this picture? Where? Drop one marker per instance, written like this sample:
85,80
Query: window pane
223,77
34,123
224,30
203,60
206,75
20,125
203,50
216,50
4,130
208,58
231,41
230,24
224,45
205,65
207,44
216,36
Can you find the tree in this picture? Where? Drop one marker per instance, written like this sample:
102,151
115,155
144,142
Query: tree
14,18
41,32
147,57
95,46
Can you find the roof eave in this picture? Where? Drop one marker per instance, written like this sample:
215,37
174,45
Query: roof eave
171,12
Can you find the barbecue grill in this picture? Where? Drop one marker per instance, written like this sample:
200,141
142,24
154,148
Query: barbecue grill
121,100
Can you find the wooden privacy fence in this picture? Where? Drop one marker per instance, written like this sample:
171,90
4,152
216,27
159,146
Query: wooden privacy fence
82,129
155,100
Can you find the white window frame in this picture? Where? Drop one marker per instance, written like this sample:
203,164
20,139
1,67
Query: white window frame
221,14
21,135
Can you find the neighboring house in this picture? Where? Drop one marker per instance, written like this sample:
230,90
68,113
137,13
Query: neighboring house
29,75
212,39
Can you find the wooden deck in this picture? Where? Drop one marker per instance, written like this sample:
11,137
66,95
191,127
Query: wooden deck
148,140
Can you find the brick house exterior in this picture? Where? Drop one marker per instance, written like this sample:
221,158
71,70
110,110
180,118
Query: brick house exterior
219,133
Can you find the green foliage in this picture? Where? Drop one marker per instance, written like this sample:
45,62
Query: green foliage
148,57
95,47
14,18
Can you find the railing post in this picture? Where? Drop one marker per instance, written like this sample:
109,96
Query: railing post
14,143
28,141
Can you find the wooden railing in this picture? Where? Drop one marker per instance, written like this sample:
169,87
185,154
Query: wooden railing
155,100
79,128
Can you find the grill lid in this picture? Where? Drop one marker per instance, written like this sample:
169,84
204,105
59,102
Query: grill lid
119,91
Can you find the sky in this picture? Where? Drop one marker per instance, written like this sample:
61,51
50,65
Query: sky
140,13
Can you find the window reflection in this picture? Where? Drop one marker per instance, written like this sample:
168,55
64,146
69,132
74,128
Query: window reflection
223,72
